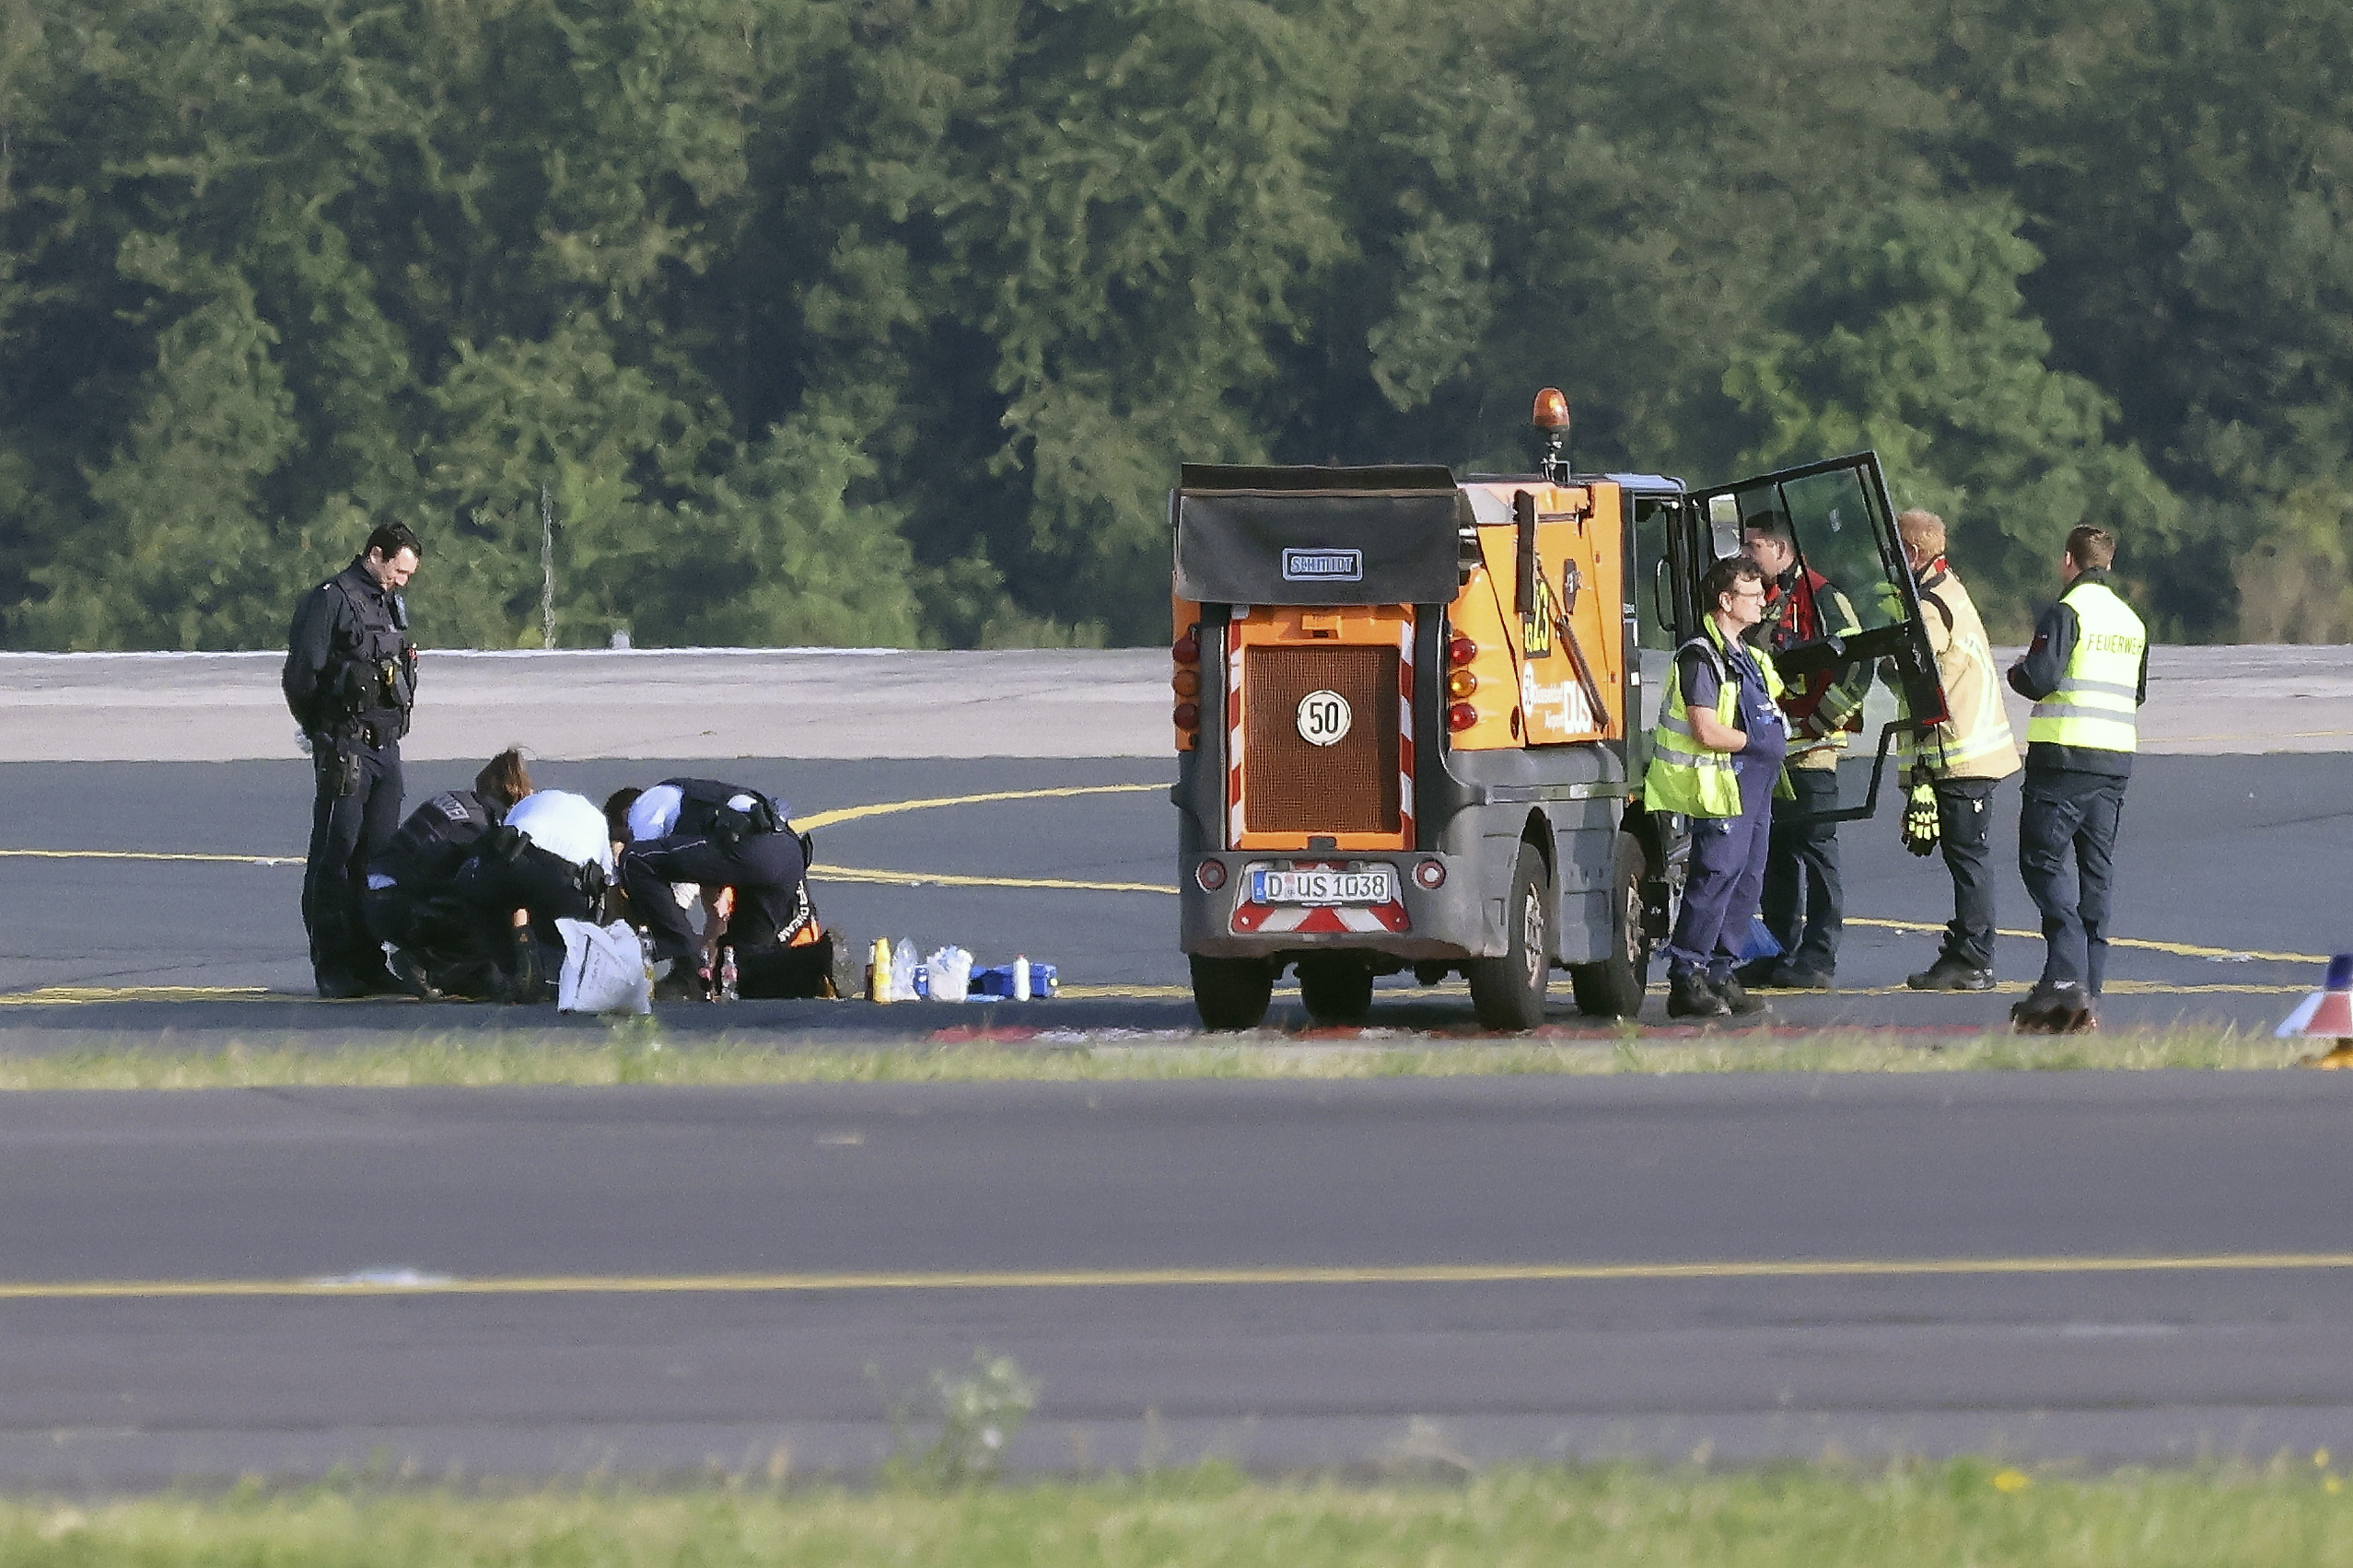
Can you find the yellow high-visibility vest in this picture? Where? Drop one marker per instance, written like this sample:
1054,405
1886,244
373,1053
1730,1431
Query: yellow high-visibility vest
2096,705
1685,776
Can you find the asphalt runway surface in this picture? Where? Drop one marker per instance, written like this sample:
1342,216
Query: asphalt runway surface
2232,869
1416,1273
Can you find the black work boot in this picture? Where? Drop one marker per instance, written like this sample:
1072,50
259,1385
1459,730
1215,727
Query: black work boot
1790,975
2053,1010
1736,997
1949,973
1690,996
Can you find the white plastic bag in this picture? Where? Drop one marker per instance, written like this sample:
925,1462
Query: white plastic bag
952,973
604,970
902,971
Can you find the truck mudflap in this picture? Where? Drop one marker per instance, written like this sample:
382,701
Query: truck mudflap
1254,905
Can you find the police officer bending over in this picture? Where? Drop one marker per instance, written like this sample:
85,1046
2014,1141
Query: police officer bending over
548,861
2088,672
410,901
724,836
350,682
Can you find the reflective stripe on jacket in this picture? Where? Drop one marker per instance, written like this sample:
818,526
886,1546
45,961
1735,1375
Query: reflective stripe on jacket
1976,741
2097,704
1685,776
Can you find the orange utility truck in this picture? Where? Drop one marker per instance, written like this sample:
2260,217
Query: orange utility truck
1413,714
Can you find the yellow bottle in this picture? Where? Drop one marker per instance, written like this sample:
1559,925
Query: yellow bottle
878,972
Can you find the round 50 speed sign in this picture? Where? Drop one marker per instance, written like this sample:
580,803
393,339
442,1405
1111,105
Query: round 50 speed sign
1324,717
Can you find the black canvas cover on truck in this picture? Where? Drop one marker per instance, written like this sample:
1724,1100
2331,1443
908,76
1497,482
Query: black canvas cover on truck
1384,535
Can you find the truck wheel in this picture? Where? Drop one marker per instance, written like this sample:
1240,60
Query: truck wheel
1508,991
1336,989
1612,988
1231,994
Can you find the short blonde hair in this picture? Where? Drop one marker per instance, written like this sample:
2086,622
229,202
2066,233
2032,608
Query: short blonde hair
1921,530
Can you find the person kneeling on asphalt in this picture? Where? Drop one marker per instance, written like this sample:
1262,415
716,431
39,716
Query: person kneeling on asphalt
550,860
722,836
1716,758
409,904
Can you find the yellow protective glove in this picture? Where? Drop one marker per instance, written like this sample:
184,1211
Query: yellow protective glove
1920,820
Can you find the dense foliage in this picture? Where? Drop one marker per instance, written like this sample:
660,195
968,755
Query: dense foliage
888,320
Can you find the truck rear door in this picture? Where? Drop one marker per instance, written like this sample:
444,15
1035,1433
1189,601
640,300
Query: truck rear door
1844,529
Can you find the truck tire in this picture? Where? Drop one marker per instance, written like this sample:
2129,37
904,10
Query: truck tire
1613,988
1336,989
1508,991
1231,994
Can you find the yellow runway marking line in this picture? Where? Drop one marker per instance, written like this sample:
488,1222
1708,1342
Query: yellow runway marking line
147,854
1118,1279
891,807
52,995
821,872
2178,949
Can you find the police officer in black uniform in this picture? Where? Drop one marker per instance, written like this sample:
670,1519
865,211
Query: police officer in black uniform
723,835
410,901
350,681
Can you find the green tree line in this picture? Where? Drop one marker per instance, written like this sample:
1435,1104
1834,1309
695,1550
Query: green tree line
886,321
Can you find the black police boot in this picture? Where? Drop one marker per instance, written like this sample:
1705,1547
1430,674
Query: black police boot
1949,973
410,976
1758,971
525,984
1689,995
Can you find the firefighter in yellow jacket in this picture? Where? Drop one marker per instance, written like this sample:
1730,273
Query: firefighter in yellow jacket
1961,761
1716,758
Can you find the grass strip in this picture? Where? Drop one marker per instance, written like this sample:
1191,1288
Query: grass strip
637,1052
1971,1512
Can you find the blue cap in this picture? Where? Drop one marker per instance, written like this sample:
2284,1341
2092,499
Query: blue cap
2340,973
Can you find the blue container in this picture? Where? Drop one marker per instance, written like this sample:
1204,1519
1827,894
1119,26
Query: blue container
996,982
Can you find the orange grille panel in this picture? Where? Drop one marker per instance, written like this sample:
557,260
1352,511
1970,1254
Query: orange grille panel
1290,785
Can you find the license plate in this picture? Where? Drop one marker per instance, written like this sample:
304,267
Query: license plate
1375,887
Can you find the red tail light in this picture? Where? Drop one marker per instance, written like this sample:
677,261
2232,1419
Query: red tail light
1461,716
1462,651
1188,716
1188,647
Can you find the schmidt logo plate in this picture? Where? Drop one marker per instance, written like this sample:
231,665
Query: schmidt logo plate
1324,565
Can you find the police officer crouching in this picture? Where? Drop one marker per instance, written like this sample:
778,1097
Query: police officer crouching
411,902
1716,758
717,836
550,860
350,681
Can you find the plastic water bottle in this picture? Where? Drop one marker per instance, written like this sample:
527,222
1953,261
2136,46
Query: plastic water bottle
902,970
1022,977
726,974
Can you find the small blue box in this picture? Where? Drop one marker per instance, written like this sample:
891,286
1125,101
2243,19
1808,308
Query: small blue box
997,982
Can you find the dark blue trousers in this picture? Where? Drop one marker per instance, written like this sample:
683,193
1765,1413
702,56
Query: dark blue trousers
1801,902
765,870
347,831
1725,876
2068,814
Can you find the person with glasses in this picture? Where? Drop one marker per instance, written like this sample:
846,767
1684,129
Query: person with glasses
1716,759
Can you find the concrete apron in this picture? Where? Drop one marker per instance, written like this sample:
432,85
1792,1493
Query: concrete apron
857,703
